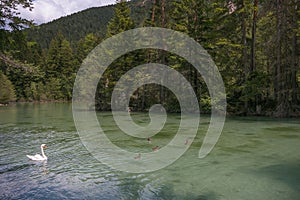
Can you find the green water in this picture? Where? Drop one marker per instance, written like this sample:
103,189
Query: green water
255,158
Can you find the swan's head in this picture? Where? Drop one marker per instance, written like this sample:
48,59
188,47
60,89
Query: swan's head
43,146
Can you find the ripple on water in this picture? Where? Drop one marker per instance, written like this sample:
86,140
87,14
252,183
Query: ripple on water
252,160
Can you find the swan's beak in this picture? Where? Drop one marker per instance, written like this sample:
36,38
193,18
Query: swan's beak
45,146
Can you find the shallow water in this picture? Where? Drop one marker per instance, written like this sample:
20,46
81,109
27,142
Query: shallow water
255,158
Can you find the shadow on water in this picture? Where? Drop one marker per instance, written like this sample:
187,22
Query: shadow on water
167,192
7,168
288,173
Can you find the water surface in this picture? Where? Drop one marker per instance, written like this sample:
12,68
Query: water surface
255,158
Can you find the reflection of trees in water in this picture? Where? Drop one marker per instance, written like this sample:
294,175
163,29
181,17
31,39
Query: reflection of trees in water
43,168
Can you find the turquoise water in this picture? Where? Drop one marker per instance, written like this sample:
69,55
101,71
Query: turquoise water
255,158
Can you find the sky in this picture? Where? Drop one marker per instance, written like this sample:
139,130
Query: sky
48,10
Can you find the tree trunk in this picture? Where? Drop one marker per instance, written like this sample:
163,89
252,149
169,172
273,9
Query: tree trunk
163,54
278,83
284,66
163,16
253,63
153,11
294,55
244,45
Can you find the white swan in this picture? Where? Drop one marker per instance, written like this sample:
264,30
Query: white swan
38,156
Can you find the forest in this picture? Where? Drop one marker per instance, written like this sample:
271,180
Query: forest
254,43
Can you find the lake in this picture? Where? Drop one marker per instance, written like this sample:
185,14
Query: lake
255,158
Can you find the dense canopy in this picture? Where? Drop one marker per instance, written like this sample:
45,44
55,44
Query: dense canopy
255,45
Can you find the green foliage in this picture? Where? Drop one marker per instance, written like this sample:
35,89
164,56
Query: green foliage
73,27
86,45
9,15
43,65
7,92
53,89
121,21
22,81
257,84
60,68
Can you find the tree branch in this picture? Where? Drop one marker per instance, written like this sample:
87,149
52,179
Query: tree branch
15,64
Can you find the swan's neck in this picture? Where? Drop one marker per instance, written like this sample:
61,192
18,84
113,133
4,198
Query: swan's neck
43,154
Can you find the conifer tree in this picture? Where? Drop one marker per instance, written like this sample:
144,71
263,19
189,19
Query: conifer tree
86,45
120,22
60,68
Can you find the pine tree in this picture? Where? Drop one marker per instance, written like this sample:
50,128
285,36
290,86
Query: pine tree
60,68
120,22
203,21
86,45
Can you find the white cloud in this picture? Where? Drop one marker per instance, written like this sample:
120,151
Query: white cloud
48,10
